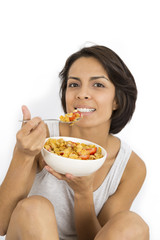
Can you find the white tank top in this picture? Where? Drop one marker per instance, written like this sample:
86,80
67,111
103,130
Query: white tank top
62,196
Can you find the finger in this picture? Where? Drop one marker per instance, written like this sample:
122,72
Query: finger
26,114
38,136
54,173
39,131
69,176
29,141
31,125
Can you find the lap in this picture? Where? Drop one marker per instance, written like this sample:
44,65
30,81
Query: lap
39,210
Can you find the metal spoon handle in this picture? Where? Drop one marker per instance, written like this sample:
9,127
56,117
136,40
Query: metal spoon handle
49,120
45,120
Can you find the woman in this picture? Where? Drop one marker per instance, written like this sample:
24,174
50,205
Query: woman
96,82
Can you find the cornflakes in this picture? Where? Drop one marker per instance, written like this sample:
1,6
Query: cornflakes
73,150
71,117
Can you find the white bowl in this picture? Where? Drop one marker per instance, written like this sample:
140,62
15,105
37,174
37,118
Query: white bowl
75,167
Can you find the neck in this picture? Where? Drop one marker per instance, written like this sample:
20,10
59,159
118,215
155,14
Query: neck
98,134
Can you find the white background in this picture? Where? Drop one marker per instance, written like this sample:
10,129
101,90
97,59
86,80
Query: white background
36,37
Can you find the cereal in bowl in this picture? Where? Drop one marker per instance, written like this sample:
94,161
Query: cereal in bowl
73,150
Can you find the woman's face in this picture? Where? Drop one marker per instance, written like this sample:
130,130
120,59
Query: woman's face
90,91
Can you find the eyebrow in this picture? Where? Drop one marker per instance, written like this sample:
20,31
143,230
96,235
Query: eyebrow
92,78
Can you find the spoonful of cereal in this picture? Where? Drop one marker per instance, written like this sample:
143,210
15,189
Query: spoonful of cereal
69,118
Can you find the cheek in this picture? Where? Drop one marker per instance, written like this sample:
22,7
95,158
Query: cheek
106,105
69,100
69,94
106,100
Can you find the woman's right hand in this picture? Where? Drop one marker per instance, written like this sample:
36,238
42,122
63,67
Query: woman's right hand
31,137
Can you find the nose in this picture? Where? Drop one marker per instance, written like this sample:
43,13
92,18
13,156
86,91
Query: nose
83,94
78,97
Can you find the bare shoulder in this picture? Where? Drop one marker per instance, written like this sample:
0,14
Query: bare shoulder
135,168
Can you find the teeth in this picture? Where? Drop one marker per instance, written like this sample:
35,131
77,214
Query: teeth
85,109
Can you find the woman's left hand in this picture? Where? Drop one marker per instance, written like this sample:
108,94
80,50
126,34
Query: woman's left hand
80,185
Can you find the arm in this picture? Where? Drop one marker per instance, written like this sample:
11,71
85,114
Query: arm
131,182
87,224
22,170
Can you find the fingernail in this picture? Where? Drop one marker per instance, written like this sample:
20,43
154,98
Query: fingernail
47,168
23,108
69,176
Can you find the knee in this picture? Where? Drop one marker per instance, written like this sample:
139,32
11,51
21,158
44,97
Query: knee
134,227
34,207
125,226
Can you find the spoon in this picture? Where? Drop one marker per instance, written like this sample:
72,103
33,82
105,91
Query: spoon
52,120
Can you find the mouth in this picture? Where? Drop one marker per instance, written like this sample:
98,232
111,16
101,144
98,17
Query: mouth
85,110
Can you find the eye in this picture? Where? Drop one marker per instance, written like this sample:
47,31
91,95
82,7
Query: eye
100,85
72,85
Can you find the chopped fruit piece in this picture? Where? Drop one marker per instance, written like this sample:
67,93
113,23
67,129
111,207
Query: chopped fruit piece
72,118
92,150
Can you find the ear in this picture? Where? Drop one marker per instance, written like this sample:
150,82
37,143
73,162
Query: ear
115,105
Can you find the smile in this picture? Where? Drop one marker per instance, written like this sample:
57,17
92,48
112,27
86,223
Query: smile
86,109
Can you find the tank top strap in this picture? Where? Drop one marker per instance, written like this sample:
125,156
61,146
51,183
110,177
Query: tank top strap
53,128
118,167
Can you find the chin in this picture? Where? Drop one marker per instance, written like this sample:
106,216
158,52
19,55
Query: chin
87,124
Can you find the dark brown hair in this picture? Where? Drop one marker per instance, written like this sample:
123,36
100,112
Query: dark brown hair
120,76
